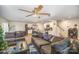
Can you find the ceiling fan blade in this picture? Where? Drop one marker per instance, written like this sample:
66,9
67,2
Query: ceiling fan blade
25,10
44,14
29,15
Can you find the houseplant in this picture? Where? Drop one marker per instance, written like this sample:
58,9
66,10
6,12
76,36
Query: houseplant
3,43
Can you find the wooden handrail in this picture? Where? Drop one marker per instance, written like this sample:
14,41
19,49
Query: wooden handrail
60,28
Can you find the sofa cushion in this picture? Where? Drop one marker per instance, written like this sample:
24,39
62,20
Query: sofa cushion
10,35
35,34
39,41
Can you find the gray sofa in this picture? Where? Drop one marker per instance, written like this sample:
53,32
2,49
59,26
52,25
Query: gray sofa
38,42
14,37
48,49
45,46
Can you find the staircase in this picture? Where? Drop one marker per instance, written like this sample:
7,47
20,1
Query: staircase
60,28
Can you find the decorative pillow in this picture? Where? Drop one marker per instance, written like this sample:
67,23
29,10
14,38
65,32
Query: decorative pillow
34,33
52,39
20,33
47,37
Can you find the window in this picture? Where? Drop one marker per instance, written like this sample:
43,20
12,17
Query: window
5,27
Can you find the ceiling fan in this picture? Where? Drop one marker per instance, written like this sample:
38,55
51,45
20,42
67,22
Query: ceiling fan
36,11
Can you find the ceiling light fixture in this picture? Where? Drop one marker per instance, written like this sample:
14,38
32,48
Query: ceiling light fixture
34,15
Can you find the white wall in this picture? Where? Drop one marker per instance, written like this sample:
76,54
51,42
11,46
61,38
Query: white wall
65,24
20,26
55,30
40,27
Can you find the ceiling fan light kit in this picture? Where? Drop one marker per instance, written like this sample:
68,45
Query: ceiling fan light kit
36,11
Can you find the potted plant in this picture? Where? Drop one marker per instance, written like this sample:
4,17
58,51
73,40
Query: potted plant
3,43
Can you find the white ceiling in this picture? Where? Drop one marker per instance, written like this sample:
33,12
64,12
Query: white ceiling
12,13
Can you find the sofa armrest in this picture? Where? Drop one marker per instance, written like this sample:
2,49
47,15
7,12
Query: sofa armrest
56,42
66,50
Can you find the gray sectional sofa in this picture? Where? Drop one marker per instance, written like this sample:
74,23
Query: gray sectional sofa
45,46
14,37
